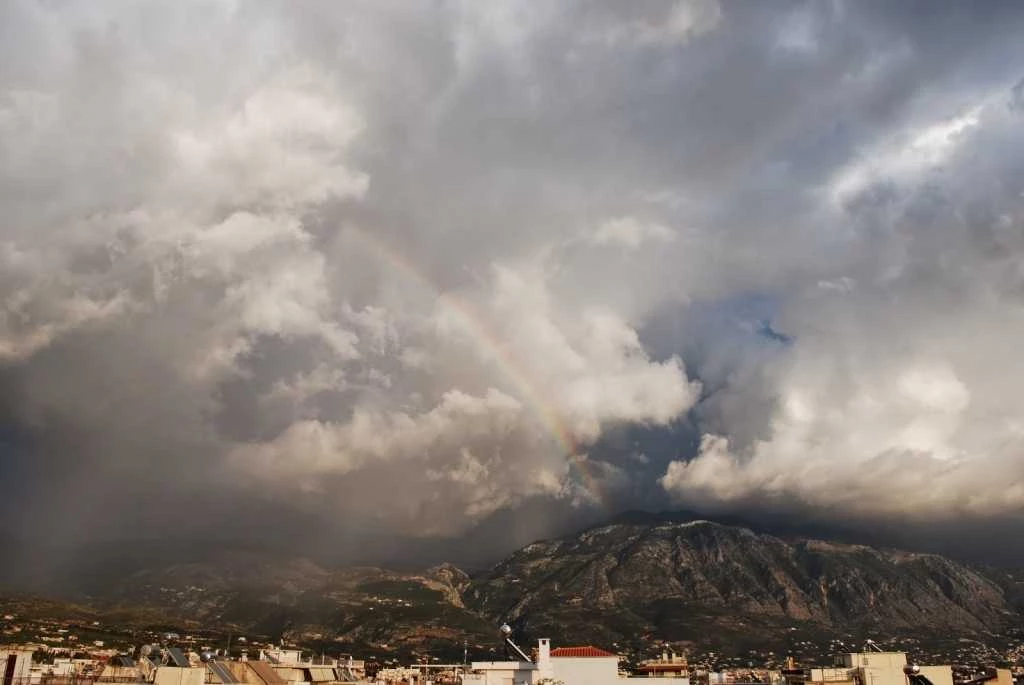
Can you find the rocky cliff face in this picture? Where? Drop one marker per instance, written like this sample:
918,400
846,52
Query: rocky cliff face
673,579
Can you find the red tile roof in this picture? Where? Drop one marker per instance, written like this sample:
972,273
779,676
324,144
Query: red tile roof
580,651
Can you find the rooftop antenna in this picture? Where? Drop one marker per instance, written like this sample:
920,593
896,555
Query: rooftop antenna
506,633
914,675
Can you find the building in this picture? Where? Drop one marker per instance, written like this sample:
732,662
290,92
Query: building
668,666
279,655
15,666
887,668
566,665
398,675
867,668
1003,676
179,675
876,668
740,676
501,673
573,665
261,673
120,669
352,670
292,668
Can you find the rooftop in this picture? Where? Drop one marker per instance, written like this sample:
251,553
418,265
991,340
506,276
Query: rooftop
580,651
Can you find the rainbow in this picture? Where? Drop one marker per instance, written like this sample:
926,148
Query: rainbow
512,369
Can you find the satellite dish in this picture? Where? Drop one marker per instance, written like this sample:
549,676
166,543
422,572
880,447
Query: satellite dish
145,650
207,656
911,669
505,629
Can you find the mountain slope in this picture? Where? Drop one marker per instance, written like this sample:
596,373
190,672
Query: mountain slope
636,579
281,597
677,579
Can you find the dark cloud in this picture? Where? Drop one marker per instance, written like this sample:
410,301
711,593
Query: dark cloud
356,277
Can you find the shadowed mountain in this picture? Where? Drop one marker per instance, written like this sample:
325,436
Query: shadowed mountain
675,578
637,578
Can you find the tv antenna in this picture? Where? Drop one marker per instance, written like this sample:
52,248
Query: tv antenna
506,633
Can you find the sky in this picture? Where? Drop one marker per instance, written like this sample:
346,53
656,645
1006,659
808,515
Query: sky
389,281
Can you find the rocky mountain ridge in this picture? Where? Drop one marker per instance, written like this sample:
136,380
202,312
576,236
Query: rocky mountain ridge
674,579
631,580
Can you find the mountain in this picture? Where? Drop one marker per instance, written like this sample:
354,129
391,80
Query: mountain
278,597
680,579
635,579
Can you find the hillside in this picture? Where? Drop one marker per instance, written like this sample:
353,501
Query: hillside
297,600
678,580
629,582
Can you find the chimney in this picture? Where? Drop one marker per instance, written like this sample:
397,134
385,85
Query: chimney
544,656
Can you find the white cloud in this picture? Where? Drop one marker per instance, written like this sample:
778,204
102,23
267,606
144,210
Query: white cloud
891,397
589,363
907,157
342,248
283,146
873,429
480,451
493,447
630,233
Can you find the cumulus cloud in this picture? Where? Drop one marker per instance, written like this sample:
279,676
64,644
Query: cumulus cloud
200,196
891,398
414,268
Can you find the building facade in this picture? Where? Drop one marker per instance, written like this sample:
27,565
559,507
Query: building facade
564,666
15,666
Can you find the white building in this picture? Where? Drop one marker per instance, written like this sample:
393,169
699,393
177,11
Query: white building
279,655
877,668
886,668
874,668
566,665
578,665
15,666
176,675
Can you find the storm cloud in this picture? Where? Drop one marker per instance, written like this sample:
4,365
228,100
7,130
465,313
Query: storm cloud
398,271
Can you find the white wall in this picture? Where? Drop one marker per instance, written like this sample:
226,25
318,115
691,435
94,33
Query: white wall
62,667
568,670
502,673
172,675
878,668
939,675
586,670
883,660
544,658
876,659
22,664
